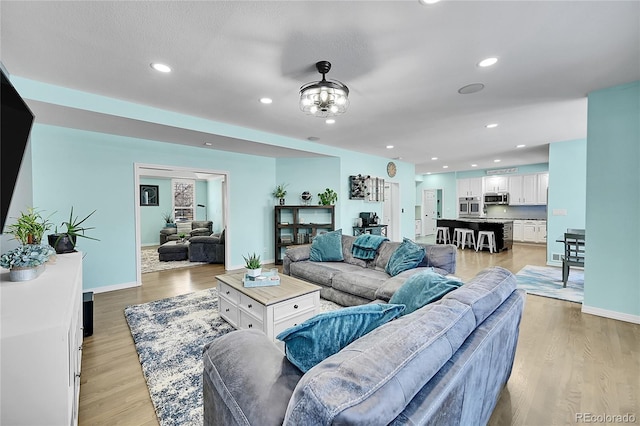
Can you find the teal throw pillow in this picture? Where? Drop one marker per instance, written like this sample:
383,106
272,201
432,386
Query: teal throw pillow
408,255
327,247
423,288
325,334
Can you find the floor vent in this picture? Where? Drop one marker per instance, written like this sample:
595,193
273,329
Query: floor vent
556,257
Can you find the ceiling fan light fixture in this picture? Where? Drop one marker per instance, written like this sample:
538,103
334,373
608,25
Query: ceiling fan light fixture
324,98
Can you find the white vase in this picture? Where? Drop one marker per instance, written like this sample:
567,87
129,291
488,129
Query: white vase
254,272
26,274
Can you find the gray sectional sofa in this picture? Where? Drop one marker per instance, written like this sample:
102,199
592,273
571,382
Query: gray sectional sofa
443,364
355,281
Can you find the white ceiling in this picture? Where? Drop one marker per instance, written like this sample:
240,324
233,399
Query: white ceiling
402,61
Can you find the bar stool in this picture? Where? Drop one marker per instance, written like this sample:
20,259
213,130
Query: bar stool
490,243
442,234
465,237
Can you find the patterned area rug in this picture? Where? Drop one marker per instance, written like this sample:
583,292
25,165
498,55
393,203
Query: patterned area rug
169,336
547,281
150,262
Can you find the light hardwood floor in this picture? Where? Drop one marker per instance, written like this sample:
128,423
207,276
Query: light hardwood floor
566,362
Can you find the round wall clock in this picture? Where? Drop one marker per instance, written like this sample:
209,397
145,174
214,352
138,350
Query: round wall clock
391,169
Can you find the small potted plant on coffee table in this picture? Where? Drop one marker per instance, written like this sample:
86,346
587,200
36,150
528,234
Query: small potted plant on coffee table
252,262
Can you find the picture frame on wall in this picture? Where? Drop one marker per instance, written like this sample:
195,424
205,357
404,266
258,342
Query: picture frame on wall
149,195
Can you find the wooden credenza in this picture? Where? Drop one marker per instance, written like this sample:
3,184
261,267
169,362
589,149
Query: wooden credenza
41,346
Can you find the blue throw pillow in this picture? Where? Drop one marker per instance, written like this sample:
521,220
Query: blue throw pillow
423,288
408,255
325,334
327,247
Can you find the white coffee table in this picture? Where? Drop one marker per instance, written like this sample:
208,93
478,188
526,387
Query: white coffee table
271,309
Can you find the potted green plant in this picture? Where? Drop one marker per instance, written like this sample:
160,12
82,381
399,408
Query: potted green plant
65,242
168,220
252,262
30,227
280,192
328,197
182,237
27,261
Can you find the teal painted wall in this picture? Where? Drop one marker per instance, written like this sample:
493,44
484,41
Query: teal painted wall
103,178
151,221
447,183
567,191
612,269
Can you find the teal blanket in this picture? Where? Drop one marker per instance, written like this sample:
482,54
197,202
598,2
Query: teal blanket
366,246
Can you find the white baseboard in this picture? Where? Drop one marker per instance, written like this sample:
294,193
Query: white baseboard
112,287
611,314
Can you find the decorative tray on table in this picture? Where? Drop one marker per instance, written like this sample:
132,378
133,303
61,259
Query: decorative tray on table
263,280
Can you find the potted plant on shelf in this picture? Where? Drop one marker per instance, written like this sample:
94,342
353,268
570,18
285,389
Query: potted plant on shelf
27,261
65,242
30,227
328,197
252,262
280,192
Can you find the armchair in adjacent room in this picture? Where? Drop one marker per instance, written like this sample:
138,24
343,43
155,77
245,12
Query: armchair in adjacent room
207,248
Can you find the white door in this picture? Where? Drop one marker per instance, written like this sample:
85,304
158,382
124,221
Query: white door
391,210
429,212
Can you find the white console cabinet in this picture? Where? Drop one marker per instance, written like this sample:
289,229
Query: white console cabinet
41,346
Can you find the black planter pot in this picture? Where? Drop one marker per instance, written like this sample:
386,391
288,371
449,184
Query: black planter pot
62,243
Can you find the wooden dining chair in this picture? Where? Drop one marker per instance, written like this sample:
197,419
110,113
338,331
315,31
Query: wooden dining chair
574,245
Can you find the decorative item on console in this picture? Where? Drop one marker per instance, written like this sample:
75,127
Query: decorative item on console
280,192
328,197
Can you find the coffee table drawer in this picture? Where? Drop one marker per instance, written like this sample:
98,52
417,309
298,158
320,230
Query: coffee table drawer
292,321
293,306
250,305
249,321
229,292
228,311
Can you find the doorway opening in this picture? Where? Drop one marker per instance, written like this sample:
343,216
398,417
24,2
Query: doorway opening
210,204
432,206
391,210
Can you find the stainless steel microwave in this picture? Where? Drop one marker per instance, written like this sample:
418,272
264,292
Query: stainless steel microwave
496,198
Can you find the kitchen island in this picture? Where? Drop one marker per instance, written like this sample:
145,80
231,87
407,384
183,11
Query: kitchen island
502,228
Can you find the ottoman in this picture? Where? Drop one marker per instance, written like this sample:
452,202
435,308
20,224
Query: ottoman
173,250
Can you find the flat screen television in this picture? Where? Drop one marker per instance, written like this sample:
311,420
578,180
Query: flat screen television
16,120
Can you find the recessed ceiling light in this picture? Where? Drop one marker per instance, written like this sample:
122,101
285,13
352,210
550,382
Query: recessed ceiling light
313,138
496,161
487,62
434,158
266,101
428,1
491,126
329,121
160,67
520,146
474,165
428,173
208,143
397,158
389,146
445,167
471,88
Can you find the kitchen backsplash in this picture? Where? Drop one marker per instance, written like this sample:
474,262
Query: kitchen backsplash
517,212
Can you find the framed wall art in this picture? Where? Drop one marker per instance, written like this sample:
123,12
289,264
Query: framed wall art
149,195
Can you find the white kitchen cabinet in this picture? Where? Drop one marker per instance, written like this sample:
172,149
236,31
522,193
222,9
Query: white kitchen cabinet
41,345
528,190
496,184
470,187
543,185
518,232
530,231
